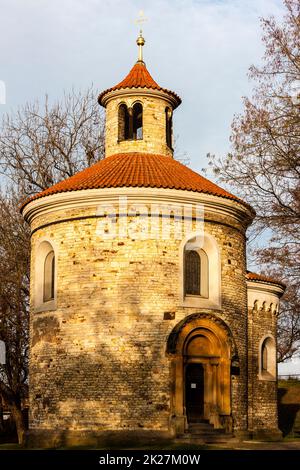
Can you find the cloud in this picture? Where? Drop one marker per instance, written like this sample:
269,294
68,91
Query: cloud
200,49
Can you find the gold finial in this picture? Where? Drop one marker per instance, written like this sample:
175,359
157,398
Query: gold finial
140,40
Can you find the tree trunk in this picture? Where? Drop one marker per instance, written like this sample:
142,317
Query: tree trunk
1,417
19,422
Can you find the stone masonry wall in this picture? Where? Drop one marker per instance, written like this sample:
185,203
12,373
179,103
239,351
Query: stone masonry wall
263,413
99,361
154,127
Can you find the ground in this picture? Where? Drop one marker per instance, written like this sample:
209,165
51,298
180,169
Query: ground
245,445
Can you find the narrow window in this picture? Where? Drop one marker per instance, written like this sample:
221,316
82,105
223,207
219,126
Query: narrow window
267,364
49,277
137,124
168,112
192,273
264,357
123,123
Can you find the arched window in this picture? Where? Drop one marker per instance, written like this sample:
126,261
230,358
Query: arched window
264,358
267,358
123,122
45,277
200,272
49,277
169,125
195,273
137,125
192,273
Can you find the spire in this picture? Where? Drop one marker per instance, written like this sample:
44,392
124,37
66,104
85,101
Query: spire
139,77
140,42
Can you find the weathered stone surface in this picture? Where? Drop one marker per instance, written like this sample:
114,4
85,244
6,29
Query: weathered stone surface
154,127
105,363
263,408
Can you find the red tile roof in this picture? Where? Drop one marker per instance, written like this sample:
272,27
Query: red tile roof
138,77
138,170
261,278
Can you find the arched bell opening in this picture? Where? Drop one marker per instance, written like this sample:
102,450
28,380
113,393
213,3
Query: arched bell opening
123,123
130,122
137,117
169,127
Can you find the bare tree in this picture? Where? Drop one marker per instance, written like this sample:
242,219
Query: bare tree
289,325
39,146
14,311
264,165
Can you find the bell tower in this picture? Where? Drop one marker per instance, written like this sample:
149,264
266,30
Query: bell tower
139,113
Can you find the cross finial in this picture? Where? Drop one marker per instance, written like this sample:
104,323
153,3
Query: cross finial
140,40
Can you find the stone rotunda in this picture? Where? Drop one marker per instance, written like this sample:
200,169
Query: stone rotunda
137,332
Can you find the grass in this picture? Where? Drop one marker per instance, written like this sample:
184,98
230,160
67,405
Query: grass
288,383
10,446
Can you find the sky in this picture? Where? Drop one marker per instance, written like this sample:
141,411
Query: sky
201,49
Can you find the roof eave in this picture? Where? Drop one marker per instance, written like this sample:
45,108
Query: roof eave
111,93
276,287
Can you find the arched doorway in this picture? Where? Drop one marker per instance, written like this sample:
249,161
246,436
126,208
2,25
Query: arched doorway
201,348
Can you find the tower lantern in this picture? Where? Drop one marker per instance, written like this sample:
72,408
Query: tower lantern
139,112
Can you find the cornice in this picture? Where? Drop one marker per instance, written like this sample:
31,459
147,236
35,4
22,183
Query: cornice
266,286
145,92
47,205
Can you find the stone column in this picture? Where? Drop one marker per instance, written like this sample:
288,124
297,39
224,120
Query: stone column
214,385
208,392
215,418
180,418
219,387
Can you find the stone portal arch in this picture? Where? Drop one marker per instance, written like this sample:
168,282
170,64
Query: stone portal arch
201,349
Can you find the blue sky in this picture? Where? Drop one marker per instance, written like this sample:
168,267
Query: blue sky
199,48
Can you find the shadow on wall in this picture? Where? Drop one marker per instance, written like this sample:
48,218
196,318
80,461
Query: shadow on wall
105,382
116,370
289,408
